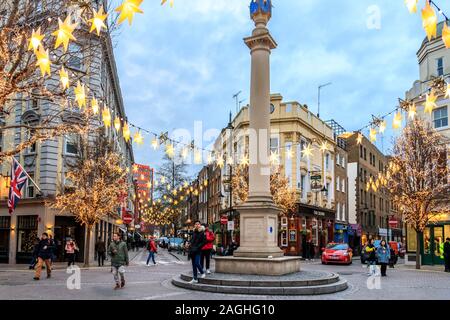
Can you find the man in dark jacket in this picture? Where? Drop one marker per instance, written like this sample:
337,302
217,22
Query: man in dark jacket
34,258
119,258
100,249
195,250
447,254
45,251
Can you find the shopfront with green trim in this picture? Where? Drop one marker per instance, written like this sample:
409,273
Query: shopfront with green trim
431,242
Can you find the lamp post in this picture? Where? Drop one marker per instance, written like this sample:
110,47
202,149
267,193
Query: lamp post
318,100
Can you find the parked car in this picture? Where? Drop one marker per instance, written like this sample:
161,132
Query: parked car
163,242
175,244
337,253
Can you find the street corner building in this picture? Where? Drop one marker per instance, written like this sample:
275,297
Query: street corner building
47,163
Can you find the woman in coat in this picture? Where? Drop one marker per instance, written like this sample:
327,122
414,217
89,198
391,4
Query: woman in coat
371,257
383,256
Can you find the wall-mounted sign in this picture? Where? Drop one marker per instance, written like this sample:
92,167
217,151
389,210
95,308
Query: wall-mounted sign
319,213
284,221
292,235
230,226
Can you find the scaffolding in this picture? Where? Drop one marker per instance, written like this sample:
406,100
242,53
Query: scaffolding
338,130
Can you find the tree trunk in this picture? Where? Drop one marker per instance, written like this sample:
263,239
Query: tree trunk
418,237
88,245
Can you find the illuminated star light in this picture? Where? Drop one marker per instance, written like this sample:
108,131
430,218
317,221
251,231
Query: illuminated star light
106,116
117,123
324,146
244,161
43,61
155,143
98,20
197,157
274,158
127,10
397,123
359,138
185,153
64,33
412,111
36,40
429,21
210,158
94,105
373,135
382,126
412,5
170,150
446,35
138,138
64,78
307,152
80,95
430,103
220,162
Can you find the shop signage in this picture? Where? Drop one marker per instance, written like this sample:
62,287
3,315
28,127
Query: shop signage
230,226
319,213
384,232
224,220
316,177
127,218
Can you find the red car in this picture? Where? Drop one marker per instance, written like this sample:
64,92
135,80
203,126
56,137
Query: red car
337,253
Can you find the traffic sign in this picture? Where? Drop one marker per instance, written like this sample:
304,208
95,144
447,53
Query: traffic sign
127,218
224,220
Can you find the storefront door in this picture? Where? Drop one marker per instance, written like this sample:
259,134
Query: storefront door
4,239
432,239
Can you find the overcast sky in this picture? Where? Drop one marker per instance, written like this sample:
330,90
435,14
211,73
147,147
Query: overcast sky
183,64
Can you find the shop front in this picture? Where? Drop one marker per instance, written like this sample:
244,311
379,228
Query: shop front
27,233
431,243
67,228
309,230
340,233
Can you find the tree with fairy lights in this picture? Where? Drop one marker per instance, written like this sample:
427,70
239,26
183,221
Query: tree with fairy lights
50,68
417,177
94,184
283,195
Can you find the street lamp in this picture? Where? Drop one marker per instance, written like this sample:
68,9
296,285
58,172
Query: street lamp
318,100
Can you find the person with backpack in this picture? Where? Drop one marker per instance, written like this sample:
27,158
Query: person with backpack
207,248
151,247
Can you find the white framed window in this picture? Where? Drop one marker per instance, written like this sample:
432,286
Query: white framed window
71,144
343,162
29,190
303,186
327,161
338,183
440,66
338,159
338,211
440,117
274,144
75,56
343,213
342,185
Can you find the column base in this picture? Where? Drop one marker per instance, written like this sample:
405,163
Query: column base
257,266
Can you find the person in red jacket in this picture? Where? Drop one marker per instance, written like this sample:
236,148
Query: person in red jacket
207,248
151,250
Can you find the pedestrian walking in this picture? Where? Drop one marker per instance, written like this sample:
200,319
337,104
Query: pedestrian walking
371,257
34,258
100,249
44,255
71,249
53,254
151,247
447,254
207,248
197,243
312,249
119,259
383,255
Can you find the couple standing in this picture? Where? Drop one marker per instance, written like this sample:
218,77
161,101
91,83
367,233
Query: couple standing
200,250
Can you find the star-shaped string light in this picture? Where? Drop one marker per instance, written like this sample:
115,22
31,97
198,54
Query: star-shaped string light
127,10
43,61
429,21
170,150
94,105
430,102
97,22
308,151
36,40
210,158
220,162
373,135
397,123
64,78
324,146
126,132
447,91
446,35
117,123
106,116
197,157
412,5
138,138
80,95
185,153
412,111
244,161
155,143
274,158
382,126
64,33
359,138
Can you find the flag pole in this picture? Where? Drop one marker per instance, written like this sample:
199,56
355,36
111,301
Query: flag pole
14,159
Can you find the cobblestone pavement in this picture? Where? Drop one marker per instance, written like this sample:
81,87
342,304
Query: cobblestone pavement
153,282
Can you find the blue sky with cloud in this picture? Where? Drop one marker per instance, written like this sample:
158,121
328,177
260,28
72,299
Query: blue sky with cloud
183,64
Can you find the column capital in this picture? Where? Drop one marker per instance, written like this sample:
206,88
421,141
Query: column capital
262,40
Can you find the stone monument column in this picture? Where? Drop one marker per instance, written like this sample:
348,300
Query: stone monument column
259,215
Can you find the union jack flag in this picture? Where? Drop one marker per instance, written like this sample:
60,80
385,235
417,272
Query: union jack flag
18,180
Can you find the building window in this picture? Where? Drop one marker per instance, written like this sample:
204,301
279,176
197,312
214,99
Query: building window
361,151
289,107
440,66
343,185
303,186
75,56
343,161
274,144
440,117
338,159
337,183
365,154
30,186
370,157
31,149
343,212
71,144
338,212
327,162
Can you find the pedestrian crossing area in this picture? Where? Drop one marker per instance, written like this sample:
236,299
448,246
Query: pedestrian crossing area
162,258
